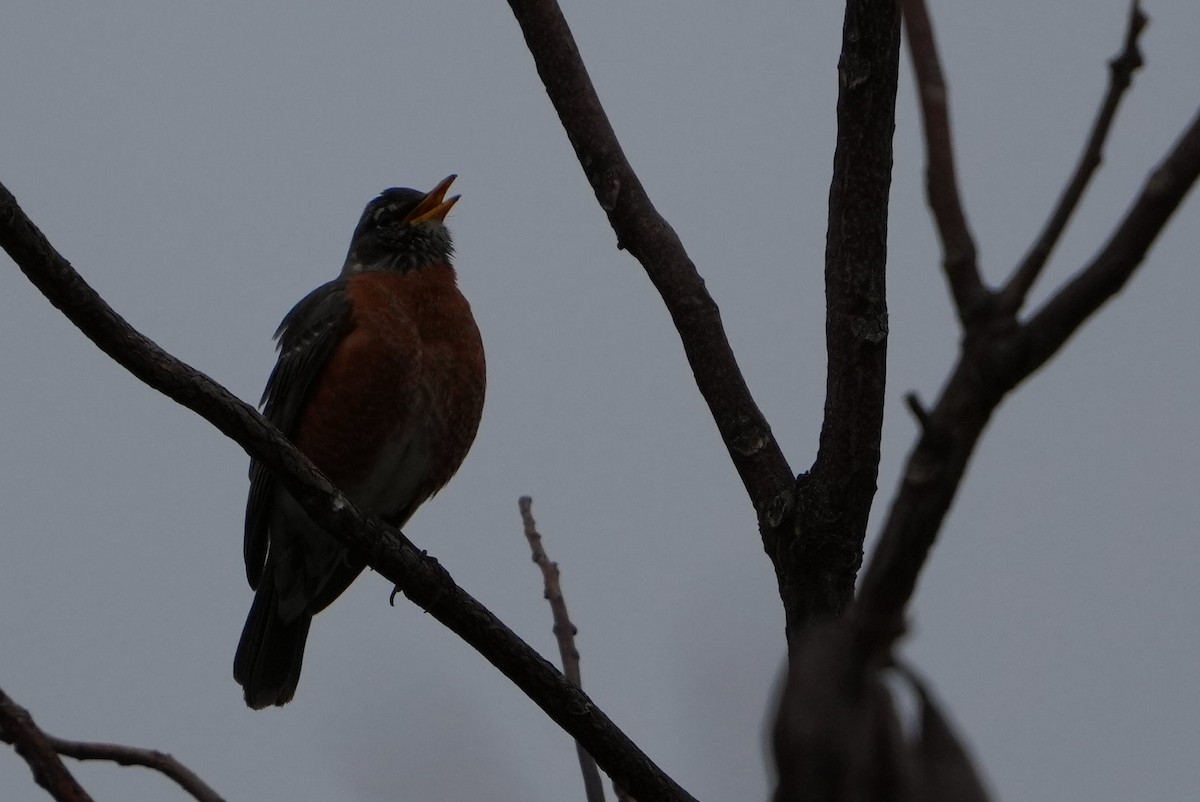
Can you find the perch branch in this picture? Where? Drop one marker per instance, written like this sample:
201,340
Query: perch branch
386,550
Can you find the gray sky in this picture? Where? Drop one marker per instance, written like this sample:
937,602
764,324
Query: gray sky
203,165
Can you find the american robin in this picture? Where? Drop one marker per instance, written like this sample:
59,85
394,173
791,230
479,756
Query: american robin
380,382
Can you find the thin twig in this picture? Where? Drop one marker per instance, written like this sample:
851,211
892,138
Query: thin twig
17,728
651,240
564,633
386,550
1121,70
959,260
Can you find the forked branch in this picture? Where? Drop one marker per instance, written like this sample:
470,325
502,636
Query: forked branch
14,718
995,359
17,728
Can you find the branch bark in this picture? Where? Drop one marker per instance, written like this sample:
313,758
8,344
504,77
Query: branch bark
816,566
386,550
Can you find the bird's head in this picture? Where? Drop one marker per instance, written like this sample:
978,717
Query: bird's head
403,229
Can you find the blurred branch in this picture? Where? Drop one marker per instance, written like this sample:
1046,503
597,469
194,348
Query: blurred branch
386,550
564,633
996,357
1121,70
651,240
941,181
17,728
838,737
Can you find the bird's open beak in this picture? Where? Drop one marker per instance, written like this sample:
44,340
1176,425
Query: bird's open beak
433,207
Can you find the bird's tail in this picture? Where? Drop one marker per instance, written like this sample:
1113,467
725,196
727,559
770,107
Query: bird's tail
269,655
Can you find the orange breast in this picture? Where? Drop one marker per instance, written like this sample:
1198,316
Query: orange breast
398,403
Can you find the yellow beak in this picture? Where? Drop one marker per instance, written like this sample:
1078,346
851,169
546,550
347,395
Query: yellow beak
434,207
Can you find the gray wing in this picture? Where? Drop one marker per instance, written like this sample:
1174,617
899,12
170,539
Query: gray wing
307,337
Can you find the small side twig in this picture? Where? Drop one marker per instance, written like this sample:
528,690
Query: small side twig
913,402
1121,70
17,728
564,633
959,258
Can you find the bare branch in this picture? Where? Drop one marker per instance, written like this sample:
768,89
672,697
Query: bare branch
651,240
959,259
386,550
564,633
1121,70
992,364
17,728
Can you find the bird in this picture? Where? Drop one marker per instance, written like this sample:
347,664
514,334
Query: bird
379,381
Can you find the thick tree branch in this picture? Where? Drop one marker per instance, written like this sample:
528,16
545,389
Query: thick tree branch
816,566
651,240
564,634
1121,70
941,181
17,728
386,550
993,362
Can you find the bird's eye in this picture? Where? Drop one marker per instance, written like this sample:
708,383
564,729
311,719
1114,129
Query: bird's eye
388,215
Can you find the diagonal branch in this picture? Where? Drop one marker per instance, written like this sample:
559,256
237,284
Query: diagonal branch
386,550
651,240
1121,70
17,728
941,181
